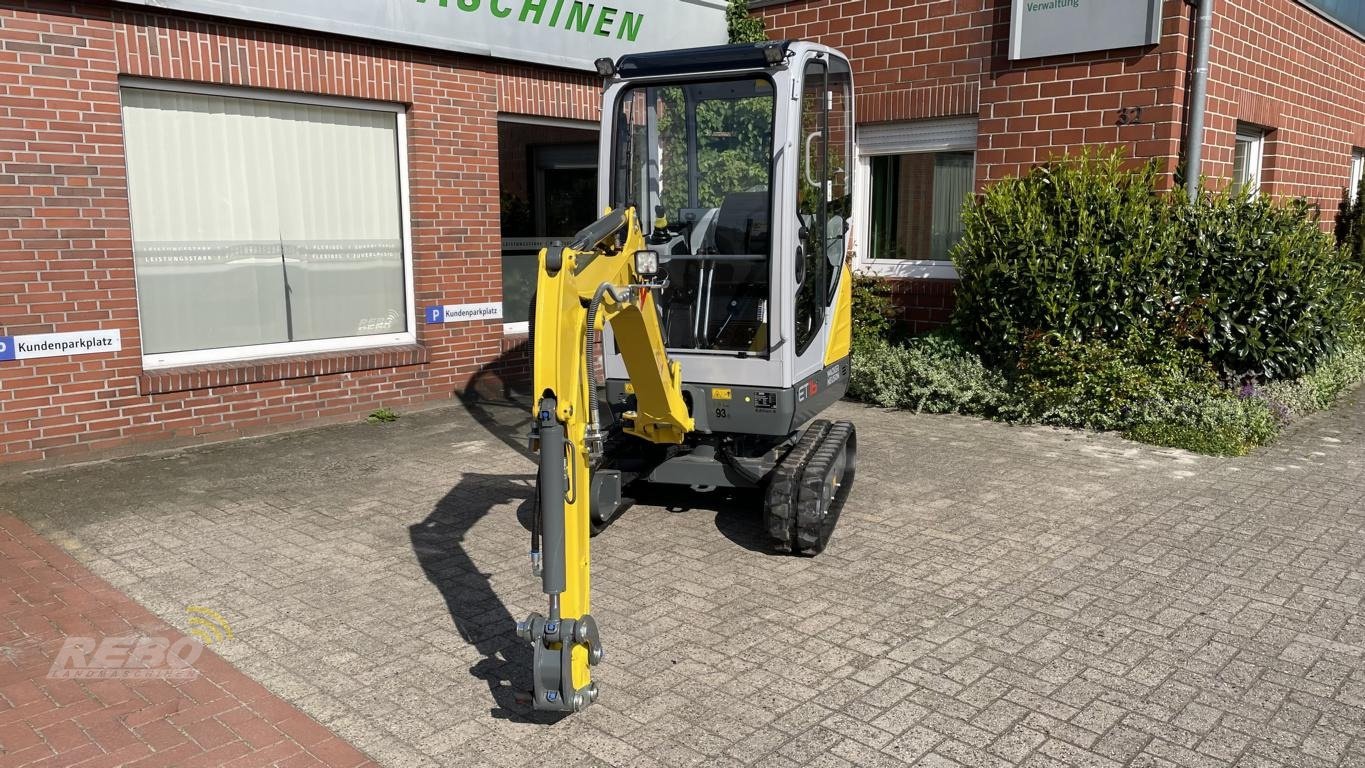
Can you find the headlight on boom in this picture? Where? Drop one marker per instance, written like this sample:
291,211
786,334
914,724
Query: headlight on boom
646,263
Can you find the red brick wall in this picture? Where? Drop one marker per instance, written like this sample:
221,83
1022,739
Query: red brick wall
921,305
1277,64
948,58
65,243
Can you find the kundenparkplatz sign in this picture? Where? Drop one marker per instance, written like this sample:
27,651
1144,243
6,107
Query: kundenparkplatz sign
565,33
1055,27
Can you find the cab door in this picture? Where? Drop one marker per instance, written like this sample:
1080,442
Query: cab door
823,204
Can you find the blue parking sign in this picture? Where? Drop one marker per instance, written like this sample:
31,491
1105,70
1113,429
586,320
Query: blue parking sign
436,314
6,347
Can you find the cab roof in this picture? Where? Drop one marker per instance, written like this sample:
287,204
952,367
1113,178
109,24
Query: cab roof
712,58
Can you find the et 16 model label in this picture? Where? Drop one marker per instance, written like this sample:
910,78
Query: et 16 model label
35,345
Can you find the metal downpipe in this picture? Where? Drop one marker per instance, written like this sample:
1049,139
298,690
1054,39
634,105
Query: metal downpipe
1199,89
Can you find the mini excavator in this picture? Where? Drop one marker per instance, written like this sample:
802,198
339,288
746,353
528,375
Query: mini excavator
719,281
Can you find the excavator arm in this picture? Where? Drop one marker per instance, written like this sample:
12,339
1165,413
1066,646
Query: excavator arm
580,288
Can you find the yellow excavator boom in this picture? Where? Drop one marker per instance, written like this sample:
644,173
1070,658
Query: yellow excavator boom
579,289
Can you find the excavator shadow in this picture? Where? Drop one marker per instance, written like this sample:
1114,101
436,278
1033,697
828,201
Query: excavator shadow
479,614
738,511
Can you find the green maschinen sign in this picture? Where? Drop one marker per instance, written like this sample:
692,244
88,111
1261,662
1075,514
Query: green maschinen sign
563,33
1054,27
571,15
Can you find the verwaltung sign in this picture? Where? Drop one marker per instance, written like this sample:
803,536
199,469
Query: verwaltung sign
1056,27
565,33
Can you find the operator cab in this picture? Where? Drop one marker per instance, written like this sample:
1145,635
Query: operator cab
738,161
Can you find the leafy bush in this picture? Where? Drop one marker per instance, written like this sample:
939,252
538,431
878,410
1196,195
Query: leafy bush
1273,293
1350,224
1091,251
872,310
1168,400
931,374
1093,299
1316,391
1218,423
1096,385
1079,248
740,26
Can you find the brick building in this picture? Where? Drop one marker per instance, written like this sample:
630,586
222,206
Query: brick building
944,108
212,226
218,222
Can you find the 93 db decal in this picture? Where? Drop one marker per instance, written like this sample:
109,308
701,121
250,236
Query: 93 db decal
59,344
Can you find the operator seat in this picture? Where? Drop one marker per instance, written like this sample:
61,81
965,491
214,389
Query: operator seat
742,223
741,229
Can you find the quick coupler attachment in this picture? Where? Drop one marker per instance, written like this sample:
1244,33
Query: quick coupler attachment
552,662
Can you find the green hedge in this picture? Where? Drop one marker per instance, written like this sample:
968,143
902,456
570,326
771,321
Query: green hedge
1091,251
1080,249
1091,298
1350,223
1106,386
931,374
1269,292
1162,401
1319,389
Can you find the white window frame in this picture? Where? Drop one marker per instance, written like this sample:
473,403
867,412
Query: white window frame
1254,136
911,268
316,346
1357,170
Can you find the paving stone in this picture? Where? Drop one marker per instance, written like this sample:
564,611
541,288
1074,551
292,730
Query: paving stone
994,595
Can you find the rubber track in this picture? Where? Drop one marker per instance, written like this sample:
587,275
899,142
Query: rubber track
779,509
814,521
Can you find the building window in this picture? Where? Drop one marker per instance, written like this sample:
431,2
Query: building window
1357,171
916,177
1246,158
264,226
1348,13
916,206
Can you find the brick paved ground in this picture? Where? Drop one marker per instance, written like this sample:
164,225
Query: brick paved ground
220,718
994,596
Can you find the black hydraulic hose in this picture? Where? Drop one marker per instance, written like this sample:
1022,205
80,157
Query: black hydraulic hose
595,233
733,462
602,290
